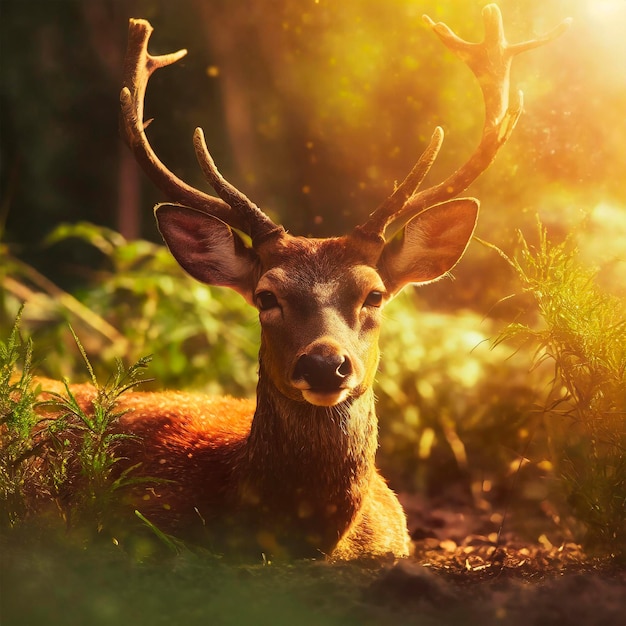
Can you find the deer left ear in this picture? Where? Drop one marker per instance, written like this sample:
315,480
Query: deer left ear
430,245
207,248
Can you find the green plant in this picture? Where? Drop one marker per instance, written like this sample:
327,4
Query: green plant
58,453
135,300
450,408
584,333
18,420
88,438
200,336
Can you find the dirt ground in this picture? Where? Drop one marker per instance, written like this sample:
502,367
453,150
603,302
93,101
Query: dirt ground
460,576
469,568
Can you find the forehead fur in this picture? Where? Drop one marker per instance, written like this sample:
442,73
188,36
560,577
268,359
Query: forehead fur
316,256
319,272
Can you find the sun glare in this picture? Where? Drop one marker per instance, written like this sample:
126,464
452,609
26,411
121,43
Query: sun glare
606,9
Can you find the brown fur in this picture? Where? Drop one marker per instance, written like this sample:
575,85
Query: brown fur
279,489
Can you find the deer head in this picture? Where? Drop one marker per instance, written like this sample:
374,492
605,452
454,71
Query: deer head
320,300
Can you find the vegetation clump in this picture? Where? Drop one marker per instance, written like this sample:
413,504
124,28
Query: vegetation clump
583,332
18,420
88,438
55,450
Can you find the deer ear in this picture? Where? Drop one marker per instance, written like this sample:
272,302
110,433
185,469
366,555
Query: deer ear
207,248
430,245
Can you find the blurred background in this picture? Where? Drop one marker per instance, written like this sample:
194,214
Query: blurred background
314,109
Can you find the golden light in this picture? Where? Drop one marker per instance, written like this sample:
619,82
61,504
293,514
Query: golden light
606,9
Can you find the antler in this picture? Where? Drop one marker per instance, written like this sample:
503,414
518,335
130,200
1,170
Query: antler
234,208
490,61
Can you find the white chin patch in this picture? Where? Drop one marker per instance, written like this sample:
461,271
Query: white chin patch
325,399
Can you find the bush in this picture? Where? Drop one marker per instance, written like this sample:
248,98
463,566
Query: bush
451,408
584,336
140,302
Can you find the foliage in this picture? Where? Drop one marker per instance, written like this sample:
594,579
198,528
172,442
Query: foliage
450,408
140,302
584,334
57,449
94,430
17,426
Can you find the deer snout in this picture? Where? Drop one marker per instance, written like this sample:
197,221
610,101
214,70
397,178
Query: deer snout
323,375
323,372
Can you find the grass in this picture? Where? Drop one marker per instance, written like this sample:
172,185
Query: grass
583,334
18,419
56,450
59,582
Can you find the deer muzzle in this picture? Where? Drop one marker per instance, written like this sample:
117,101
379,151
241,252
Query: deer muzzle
324,375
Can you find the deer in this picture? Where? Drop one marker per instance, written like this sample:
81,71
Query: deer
293,474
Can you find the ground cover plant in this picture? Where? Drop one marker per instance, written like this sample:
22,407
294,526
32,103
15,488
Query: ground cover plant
54,450
18,419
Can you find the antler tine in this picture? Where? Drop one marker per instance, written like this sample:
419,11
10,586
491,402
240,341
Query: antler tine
139,65
379,219
258,225
490,61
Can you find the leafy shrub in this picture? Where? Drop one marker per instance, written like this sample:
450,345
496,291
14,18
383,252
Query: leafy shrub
451,408
140,303
584,336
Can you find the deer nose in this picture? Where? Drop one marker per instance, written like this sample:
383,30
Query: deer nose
323,372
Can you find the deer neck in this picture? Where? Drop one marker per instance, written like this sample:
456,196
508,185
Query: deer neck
308,468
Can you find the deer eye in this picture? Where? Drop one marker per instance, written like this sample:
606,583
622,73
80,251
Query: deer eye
266,300
374,299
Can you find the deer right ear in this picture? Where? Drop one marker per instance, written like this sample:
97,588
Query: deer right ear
207,248
430,245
